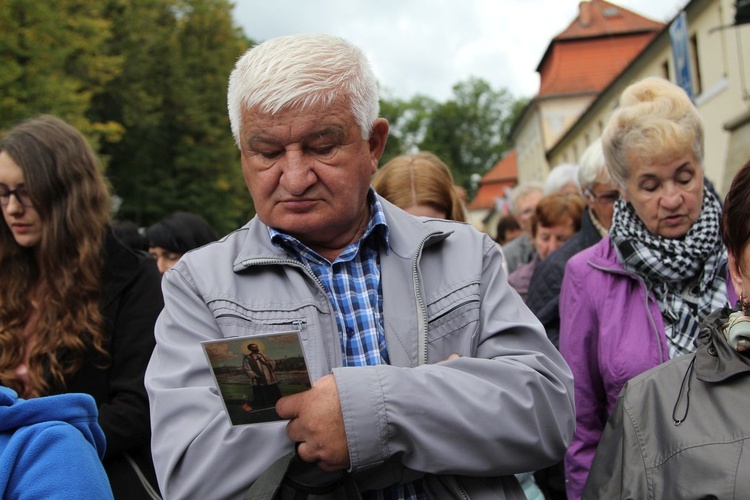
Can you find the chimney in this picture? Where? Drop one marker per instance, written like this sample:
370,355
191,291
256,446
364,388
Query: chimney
584,16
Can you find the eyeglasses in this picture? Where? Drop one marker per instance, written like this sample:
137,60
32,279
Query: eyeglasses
21,193
607,198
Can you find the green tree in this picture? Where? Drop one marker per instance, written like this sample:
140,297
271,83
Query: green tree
54,59
177,152
470,131
408,120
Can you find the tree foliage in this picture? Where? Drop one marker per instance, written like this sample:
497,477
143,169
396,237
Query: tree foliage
146,81
54,59
177,152
470,131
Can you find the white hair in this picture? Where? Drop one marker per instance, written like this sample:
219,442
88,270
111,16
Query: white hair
593,167
560,176
521,191
303,71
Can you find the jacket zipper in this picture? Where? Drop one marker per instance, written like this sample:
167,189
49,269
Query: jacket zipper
452,483
304,268
291,262
422,317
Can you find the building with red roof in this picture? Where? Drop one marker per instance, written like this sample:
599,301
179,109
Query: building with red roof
578,64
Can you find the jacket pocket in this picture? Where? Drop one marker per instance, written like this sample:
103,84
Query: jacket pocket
452,322
236,320
455,319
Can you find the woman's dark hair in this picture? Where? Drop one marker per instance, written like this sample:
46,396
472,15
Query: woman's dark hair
129,233
180,232
505,224
69,192
735,217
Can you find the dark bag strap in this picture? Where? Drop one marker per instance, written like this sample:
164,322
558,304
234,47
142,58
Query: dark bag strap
289,477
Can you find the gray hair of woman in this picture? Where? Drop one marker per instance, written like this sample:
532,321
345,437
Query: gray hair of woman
656,121
593,166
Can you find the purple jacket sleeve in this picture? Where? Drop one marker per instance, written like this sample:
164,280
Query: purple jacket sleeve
579,345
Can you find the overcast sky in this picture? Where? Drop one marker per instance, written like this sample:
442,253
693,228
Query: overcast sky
426,46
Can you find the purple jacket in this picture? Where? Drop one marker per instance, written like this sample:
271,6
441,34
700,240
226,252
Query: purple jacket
611,330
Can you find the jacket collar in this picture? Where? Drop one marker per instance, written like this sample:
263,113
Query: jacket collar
406,233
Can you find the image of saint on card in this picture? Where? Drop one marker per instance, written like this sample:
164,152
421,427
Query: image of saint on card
252,373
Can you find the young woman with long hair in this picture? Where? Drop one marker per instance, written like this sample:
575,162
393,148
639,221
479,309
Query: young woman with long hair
77,307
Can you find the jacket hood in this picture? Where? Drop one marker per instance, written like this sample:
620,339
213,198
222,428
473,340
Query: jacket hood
716,360
78,410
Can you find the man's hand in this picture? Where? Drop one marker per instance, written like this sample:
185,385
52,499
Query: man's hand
317,425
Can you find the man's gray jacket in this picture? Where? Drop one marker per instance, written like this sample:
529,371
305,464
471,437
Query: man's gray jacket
505,406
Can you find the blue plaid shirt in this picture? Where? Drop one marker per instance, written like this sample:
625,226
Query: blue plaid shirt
352,282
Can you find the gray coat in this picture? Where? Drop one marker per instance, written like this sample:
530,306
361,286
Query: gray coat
505,406
644,454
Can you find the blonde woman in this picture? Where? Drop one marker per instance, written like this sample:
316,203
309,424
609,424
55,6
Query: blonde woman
638,297
420,184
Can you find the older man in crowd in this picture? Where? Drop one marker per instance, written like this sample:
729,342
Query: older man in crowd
430,375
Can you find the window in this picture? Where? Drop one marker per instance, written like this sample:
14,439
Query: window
695,66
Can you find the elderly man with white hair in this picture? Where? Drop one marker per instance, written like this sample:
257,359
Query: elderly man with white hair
431,378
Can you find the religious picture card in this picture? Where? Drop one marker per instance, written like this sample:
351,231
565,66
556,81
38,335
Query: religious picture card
254,372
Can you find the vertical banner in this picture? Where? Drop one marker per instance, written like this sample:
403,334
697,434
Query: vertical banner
681,52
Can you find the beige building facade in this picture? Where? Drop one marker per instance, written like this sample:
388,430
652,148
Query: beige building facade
719,55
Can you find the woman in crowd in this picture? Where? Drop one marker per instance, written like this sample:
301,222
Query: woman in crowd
563,179
600,194
679,429
77,307
557,217
521,202
176,234
637,298
420,184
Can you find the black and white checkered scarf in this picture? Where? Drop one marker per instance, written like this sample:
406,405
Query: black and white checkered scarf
687,275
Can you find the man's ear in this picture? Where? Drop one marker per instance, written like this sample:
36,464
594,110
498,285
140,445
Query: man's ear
378,138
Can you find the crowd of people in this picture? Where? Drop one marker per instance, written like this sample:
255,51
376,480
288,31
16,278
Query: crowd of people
597,347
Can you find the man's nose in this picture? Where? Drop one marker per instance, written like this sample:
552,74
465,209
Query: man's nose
298,174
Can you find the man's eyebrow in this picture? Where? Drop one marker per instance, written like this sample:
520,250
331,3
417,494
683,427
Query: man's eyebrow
331,131
326,132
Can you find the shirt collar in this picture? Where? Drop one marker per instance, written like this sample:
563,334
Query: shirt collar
376,233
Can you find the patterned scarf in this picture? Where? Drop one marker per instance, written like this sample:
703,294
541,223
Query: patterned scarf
687,275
